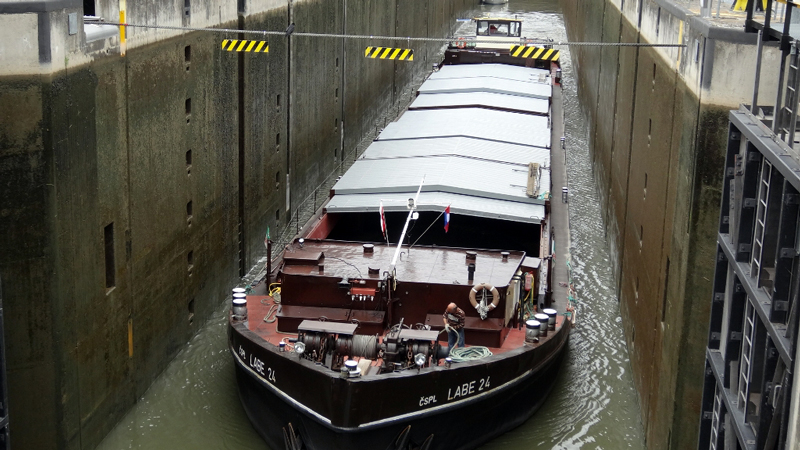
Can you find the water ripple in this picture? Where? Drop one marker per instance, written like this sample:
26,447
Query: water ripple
594,404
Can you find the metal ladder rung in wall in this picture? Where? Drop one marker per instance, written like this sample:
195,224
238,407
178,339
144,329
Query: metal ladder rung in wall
716,419
761,218
788,113
744,367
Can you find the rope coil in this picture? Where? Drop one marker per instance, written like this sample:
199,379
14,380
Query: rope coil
275,293
464,354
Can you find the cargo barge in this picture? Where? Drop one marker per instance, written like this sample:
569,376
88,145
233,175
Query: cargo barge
344,343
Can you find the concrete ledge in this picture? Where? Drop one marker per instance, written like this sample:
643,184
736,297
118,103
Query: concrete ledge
723,34
676,10
21,7
707,29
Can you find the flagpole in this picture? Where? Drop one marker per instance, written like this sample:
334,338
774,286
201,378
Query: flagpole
269,262
426,229
384,228
405,228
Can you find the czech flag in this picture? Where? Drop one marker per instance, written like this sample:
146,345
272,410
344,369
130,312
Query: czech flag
383,222
447,219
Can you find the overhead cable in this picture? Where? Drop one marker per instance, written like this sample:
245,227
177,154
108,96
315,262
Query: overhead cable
265,33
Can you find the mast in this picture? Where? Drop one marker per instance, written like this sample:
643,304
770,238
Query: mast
413,207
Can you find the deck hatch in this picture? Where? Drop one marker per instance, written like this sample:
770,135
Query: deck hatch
303,258
327,327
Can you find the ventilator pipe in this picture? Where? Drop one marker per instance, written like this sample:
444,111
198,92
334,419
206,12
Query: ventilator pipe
239,295
352,368
542,319
551,318
532,331
239,309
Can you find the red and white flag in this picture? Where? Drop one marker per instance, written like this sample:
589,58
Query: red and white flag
383,222
447,219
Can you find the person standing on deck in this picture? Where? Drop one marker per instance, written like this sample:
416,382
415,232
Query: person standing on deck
454,318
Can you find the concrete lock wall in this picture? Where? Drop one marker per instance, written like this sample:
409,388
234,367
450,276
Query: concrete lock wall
137,189
658,124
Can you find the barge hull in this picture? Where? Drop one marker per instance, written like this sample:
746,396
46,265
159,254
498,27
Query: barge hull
467,427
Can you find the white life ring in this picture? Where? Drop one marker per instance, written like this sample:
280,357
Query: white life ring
474,292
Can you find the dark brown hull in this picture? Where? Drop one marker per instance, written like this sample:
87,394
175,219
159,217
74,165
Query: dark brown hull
290,399
328,412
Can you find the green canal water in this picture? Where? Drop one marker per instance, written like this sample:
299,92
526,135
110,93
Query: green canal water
194,404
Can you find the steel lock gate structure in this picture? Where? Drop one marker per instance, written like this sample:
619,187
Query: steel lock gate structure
5,443
750,395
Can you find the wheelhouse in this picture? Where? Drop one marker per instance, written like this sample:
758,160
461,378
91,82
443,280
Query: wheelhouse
498,27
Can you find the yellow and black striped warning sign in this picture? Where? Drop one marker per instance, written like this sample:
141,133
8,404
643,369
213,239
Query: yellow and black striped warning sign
233,45
400,54
544,54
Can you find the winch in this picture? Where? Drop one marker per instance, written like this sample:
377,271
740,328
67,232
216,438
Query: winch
329,343
404,348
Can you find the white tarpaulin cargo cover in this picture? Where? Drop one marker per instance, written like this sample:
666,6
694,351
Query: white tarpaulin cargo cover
500,126
452,174
438,201
466,147
487,84
497,78
474,159
506,102
503,71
